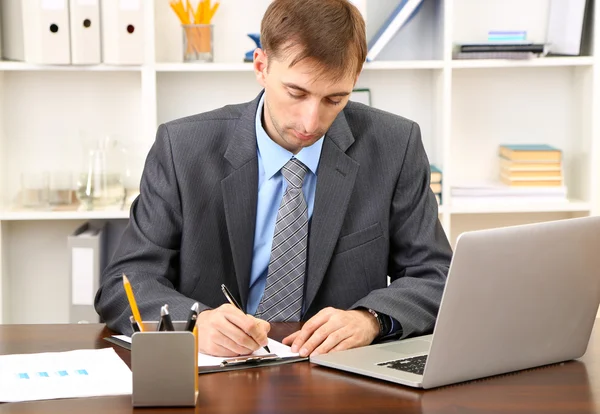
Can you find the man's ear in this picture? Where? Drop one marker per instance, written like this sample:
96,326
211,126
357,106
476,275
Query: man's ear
260,66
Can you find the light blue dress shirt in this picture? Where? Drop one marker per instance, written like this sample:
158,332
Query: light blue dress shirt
271,186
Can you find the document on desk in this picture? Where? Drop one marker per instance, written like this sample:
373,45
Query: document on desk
72,374
209,363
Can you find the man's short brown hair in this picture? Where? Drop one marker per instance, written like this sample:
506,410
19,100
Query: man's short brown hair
331,32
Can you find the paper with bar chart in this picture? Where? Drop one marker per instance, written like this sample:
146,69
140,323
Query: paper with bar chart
71,374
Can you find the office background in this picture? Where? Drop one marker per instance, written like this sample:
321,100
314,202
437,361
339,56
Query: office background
466,109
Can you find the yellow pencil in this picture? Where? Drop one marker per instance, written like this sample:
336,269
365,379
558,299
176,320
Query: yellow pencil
132,303
213,10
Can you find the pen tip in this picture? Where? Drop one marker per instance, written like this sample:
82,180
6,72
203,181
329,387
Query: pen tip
125,280
196,307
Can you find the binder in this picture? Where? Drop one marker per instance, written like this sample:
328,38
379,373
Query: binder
362,95
565,26
86,246
36,31
122,32
401,15
85,32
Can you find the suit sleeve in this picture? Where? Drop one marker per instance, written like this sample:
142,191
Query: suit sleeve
419,255
148,252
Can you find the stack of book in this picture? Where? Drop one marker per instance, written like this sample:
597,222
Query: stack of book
531,165
436,183
528,174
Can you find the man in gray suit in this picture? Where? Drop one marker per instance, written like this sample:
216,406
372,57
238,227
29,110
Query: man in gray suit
301,202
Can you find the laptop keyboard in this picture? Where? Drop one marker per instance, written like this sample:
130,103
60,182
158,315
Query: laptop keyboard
415,365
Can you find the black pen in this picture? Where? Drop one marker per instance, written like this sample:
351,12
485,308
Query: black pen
134,324
232,300
167,324
191,320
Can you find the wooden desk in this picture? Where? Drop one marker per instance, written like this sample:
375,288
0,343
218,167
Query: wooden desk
302,387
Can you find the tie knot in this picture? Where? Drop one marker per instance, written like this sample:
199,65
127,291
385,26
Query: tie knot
294,172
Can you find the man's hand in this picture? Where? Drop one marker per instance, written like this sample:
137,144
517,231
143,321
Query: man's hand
227,331
334,330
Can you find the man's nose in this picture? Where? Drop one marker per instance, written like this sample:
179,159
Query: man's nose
310,118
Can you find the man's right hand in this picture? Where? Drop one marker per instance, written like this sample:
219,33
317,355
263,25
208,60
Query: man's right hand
227,331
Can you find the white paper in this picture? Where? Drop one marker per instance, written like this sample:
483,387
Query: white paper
53,4
72,374
87,2
82,276
275,347
282,351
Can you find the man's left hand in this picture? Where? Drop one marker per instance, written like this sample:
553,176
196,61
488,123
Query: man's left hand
334,330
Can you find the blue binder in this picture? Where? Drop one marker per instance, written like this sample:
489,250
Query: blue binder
401,15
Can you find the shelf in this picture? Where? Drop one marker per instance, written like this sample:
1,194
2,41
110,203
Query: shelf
63,215
247,67
203,67
404,64
522,63
548,207
22,66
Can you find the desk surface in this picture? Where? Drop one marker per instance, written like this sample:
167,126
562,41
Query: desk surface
303,387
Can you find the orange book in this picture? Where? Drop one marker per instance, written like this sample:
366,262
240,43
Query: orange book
532,175
529,166
531,183
541,152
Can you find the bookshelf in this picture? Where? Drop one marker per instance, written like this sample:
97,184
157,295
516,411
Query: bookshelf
44,109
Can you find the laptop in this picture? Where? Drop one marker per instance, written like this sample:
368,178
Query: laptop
516,298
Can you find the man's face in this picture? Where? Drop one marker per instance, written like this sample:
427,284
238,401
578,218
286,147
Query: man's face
300,103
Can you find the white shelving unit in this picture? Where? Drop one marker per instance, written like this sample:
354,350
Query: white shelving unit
465,109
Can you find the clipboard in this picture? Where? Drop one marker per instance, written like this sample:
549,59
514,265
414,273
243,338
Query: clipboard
231,364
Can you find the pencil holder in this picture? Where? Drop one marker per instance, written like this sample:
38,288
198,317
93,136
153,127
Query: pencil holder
164,367
197,42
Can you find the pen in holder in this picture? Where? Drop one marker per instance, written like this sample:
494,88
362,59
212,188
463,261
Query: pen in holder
164,365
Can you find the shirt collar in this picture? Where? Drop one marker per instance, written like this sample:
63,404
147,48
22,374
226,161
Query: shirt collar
274,157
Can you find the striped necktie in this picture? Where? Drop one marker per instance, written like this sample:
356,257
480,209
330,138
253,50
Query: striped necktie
282,298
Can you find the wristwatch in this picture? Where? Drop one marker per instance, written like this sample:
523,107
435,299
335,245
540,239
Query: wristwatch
383,321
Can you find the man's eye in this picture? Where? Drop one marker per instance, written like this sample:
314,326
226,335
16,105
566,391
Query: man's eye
295,96
332,102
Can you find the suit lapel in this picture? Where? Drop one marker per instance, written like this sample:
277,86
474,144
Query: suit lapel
336,177
240,194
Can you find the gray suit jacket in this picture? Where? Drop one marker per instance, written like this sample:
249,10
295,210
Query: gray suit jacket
192,227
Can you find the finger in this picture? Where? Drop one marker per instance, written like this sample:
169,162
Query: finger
259,330
310,327
232,344
333,339
317,338
347,343
235,329
288,340
216,350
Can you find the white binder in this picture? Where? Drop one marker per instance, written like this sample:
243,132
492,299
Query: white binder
85,32
122,32
565,26
36,31
86,248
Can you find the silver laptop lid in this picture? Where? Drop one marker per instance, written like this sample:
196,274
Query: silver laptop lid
523,296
